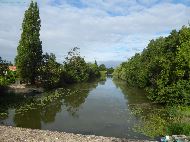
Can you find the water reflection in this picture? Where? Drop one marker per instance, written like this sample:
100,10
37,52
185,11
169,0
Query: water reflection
155,120
76,96
102,82
43,108
132,95
107,108
31,112
9,101
152,121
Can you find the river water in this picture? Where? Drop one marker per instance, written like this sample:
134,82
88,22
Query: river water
103,108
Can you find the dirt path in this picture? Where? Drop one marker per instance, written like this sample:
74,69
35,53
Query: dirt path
15,134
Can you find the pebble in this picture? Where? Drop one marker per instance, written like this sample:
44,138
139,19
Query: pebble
8,133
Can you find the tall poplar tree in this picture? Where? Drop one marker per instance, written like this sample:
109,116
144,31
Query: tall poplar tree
29,51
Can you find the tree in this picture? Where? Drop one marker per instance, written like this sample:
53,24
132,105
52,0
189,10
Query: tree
50,71
3,72
3,67
29,51
110,70
162,69
93,70
75,67
102,67
96,63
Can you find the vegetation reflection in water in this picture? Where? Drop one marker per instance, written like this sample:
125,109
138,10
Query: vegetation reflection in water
157,120
30,111
68,109
124,111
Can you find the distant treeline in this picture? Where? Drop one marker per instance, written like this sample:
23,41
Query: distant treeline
162,69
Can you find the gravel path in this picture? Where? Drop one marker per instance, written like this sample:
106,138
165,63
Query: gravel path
15,134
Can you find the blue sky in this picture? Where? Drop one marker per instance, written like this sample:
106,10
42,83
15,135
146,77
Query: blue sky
109,31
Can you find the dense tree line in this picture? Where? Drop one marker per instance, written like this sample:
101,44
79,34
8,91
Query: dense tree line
162,69
34,67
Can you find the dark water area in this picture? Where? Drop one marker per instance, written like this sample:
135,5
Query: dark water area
103,108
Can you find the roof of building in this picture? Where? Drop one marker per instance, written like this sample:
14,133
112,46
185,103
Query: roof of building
12,68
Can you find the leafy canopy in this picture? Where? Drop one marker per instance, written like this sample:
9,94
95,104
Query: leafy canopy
162,69
29,51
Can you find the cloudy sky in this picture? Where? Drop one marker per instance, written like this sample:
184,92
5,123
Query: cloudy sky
109,31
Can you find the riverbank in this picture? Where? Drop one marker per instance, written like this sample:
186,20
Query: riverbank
16,134
23,89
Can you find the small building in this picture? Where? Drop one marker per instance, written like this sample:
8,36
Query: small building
12,68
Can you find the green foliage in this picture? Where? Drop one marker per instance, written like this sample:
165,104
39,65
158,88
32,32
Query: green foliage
77,70
50,71
161,121
3,67
155,120
29,51
35,68
11,77
103,75
3,83
93,70
162,69
110,70
152,127
3,73
75,67
179,120
179,129
102,67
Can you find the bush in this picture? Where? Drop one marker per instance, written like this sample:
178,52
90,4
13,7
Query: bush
50,71
77,70
162,69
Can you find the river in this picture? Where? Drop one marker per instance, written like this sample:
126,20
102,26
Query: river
103,108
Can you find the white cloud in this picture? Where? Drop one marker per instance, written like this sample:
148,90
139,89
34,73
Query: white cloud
101,35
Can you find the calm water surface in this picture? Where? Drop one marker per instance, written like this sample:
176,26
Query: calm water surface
99,108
